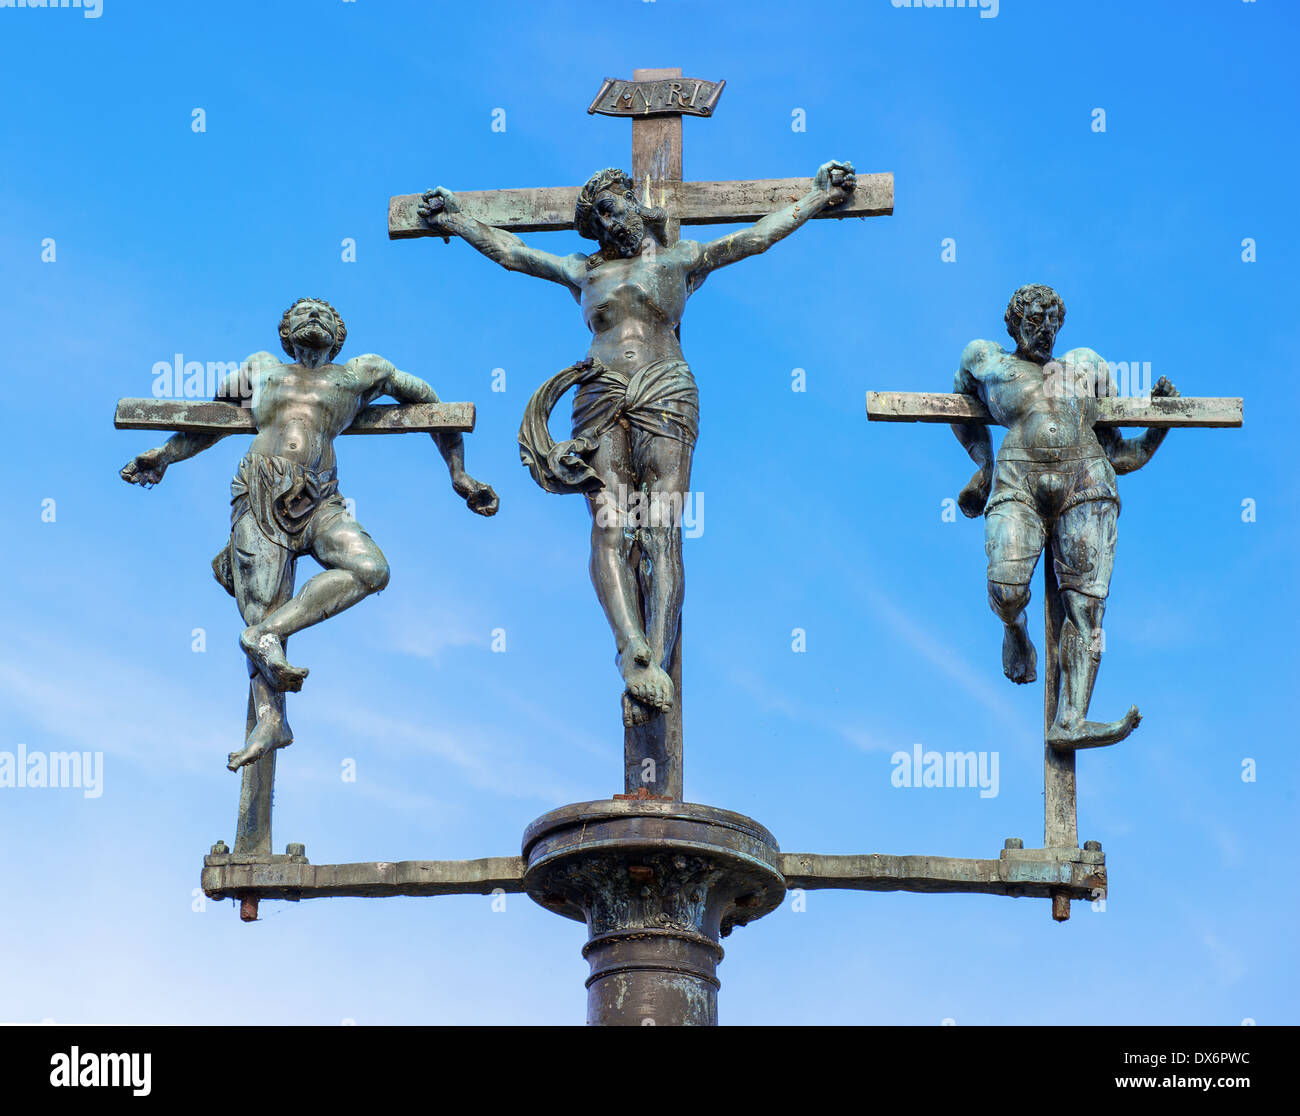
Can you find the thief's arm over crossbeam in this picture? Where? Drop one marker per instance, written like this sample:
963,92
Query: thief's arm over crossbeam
929,406
220,418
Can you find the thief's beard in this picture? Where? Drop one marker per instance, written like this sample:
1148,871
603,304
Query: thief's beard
1041,350
311,344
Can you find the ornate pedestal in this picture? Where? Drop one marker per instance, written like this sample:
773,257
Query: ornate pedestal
658,884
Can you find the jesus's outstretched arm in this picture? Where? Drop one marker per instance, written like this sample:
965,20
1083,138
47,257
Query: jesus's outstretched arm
442,212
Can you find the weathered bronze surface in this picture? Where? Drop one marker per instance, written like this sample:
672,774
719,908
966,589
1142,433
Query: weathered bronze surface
657,884
204,416
1017,872
550,209
669,96
1052,484
1062,419
658,881
1153,411
229,875
285,501
636,413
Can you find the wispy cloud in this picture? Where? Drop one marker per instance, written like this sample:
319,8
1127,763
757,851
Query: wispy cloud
95,701
485,760
980,683
770,700
136,714
427,629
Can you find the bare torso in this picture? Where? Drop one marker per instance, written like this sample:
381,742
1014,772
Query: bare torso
1041,407
299,411
633,307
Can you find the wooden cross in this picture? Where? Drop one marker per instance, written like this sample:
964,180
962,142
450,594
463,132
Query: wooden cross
253,829
656,100
1060,826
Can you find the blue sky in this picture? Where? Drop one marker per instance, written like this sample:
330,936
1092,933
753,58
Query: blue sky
170,241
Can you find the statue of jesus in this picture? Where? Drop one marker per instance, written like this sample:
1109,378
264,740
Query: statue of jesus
636,410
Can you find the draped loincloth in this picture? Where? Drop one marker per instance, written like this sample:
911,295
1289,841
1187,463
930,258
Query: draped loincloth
288,501
659,400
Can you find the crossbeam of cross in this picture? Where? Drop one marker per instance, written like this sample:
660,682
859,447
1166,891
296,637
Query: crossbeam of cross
550,209
655,100
219,417
1060,825
253,829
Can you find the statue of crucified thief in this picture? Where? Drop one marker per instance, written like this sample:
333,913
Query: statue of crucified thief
636,411
285,500
1054,477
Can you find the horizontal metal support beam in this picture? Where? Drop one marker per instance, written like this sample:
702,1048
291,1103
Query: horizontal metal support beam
1075,873
1078,873
1165,411
284,877
550,208
216,417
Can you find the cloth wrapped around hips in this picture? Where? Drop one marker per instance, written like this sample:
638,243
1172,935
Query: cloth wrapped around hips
659,400
288,502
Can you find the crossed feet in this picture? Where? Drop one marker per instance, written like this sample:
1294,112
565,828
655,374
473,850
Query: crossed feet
267,654
649,689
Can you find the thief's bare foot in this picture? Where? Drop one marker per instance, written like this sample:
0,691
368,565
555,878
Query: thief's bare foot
268,734
1019,659
267,653
646,682
1067,736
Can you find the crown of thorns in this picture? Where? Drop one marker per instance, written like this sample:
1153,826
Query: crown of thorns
611,178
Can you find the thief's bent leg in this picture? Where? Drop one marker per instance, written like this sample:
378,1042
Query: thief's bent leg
263,576
355,568
1084,543
1013,540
